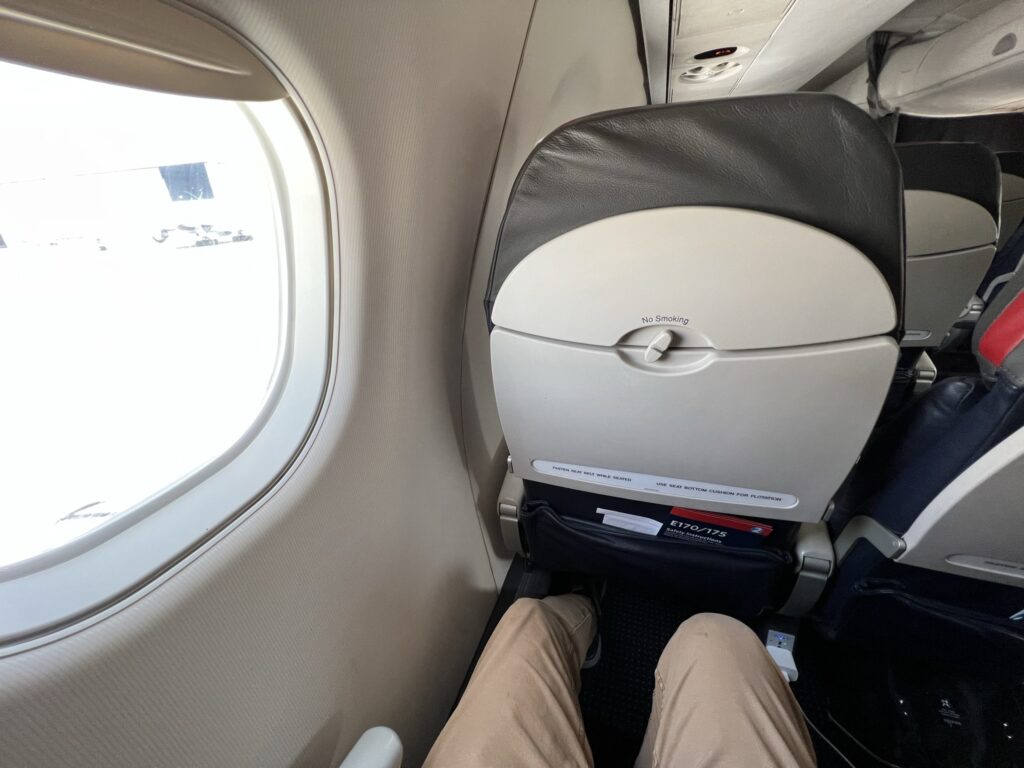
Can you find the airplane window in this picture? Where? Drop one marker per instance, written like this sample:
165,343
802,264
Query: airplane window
141,283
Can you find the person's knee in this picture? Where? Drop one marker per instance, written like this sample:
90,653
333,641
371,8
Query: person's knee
525,610
713,641
716,628
566,611
529,626
523,628
528,611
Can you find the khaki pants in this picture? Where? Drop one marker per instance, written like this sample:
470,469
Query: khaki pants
719,699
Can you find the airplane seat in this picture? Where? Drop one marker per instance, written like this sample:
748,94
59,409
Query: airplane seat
1011,164
1010,247
952,199
691,317
928,532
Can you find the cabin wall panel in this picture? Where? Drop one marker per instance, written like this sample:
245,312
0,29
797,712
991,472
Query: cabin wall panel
355,594
581,58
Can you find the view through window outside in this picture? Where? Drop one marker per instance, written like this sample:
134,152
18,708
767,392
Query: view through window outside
140,285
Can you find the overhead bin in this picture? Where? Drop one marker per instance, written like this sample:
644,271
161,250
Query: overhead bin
975,67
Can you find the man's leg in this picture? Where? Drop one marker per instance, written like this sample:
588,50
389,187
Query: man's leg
721,702
521,707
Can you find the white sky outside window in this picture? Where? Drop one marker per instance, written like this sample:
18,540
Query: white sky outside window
131,355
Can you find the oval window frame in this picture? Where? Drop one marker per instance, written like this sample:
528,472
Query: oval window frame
65,589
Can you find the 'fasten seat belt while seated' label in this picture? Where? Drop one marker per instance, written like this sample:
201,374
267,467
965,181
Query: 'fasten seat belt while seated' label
666,486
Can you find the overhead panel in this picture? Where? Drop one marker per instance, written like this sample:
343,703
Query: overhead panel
706,26
764,46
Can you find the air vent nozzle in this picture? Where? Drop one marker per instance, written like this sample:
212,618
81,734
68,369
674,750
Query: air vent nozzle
704,72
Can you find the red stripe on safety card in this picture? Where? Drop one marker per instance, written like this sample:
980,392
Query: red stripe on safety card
724,521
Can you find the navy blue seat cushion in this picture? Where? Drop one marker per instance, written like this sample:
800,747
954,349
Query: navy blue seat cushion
931,441
1003,263
907,463
938,435
876,603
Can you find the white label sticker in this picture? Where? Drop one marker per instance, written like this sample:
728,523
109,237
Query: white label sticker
634,523
667,486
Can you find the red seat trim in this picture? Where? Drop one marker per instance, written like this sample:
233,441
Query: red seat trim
1005,333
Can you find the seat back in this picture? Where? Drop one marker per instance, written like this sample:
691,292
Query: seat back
1012,166
1010,248
687,308
952,197
973,527
947,475
944,480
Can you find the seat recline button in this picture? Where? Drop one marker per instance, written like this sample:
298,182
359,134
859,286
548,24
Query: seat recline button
658,346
